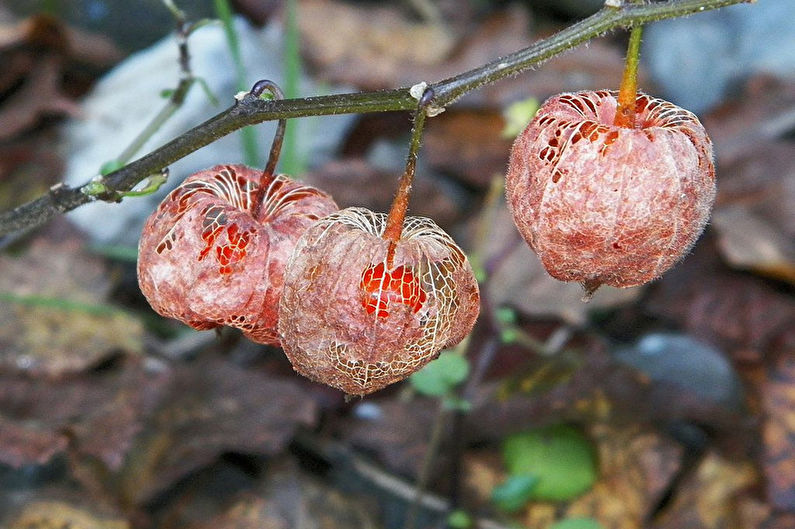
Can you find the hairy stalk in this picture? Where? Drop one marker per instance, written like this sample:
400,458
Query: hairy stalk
628,93
250,110
400,204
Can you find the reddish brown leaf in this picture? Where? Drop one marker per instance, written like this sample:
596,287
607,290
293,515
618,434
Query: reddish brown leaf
713,497
740,314
467,144
778,432
103,411
351,182
213,407
754,218
39,97
56,514
53,318
635,469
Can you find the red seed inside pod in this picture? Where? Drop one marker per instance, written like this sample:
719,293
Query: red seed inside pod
205,260
360,312
602,204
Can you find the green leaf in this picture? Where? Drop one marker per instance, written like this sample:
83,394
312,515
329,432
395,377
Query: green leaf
518,115
515,492
559,456
439,377
577,523
459,519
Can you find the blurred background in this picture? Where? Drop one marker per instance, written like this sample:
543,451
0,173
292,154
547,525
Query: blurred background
665,406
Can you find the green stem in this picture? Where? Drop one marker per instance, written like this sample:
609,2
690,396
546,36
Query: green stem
625,113
251,110
247,135
292,78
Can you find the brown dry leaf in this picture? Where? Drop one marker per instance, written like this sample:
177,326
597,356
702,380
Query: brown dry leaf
213,407
396,431
741,315
520,281
350,182
759,115
778,432
23,443
467,144
635,468
38,52
102,412
712,497
370,47
59,515
754,217
40,96
53,320
290,497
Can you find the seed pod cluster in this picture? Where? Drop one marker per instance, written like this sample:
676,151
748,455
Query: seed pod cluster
207,260
359,312
604,204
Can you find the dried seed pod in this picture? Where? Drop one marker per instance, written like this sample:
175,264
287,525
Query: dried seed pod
603,204
204,259
360,312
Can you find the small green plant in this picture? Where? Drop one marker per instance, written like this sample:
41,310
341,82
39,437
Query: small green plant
554,463
577,523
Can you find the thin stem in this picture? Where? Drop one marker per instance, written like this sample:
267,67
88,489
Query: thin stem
178,96
251,110
427,464
224,12
625,113
400,204
273,157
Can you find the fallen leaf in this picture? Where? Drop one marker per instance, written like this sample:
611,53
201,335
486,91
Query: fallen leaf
39,96
740,314
350,182
396,432
290,497
468,145
54,317
100,411
711,497
753,217
635,469
370,46
53,514
760,113
211,408
778,432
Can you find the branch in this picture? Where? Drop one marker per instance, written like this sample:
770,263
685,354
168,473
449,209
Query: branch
250,110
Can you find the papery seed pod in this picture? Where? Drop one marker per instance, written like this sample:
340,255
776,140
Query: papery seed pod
360,312
204,259
604,204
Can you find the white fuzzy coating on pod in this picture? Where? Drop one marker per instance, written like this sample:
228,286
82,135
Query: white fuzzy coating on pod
357,319
205,260
603,204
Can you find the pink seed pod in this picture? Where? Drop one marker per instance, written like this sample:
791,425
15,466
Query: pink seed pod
360,312
604,204
204,259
